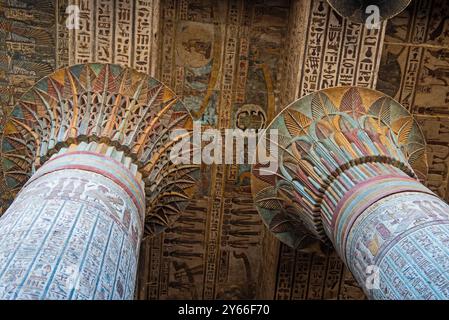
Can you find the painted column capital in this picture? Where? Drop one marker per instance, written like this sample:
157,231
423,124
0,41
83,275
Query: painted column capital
109,104
330,142
349,170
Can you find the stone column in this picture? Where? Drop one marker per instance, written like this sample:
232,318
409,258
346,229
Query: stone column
393,233
100,137
348,174
74,230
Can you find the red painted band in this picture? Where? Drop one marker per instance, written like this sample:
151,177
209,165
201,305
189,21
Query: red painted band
102,173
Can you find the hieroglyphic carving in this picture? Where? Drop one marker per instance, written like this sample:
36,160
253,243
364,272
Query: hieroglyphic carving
146,32
83,44
103,45
84,232
222,58
62,34
124,39
405,236
336,51
286,268
403,62
360,11
414,71
296,271
314,43
123,31
167,46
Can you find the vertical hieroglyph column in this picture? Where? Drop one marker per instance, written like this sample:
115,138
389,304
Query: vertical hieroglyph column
88,151
348,172
74,230
125,32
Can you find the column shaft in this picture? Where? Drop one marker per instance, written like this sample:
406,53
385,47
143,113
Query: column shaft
393,234
73,232
398,248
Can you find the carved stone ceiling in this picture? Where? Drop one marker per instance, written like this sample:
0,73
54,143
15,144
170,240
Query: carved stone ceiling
225,59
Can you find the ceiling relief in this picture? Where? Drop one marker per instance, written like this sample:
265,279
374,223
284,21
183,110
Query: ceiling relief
414,60
222,59
237,64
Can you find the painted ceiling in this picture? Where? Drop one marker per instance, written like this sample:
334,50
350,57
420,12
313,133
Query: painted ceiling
236,64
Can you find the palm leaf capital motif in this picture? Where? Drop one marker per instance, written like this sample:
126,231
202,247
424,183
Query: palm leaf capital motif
106,103
325,134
